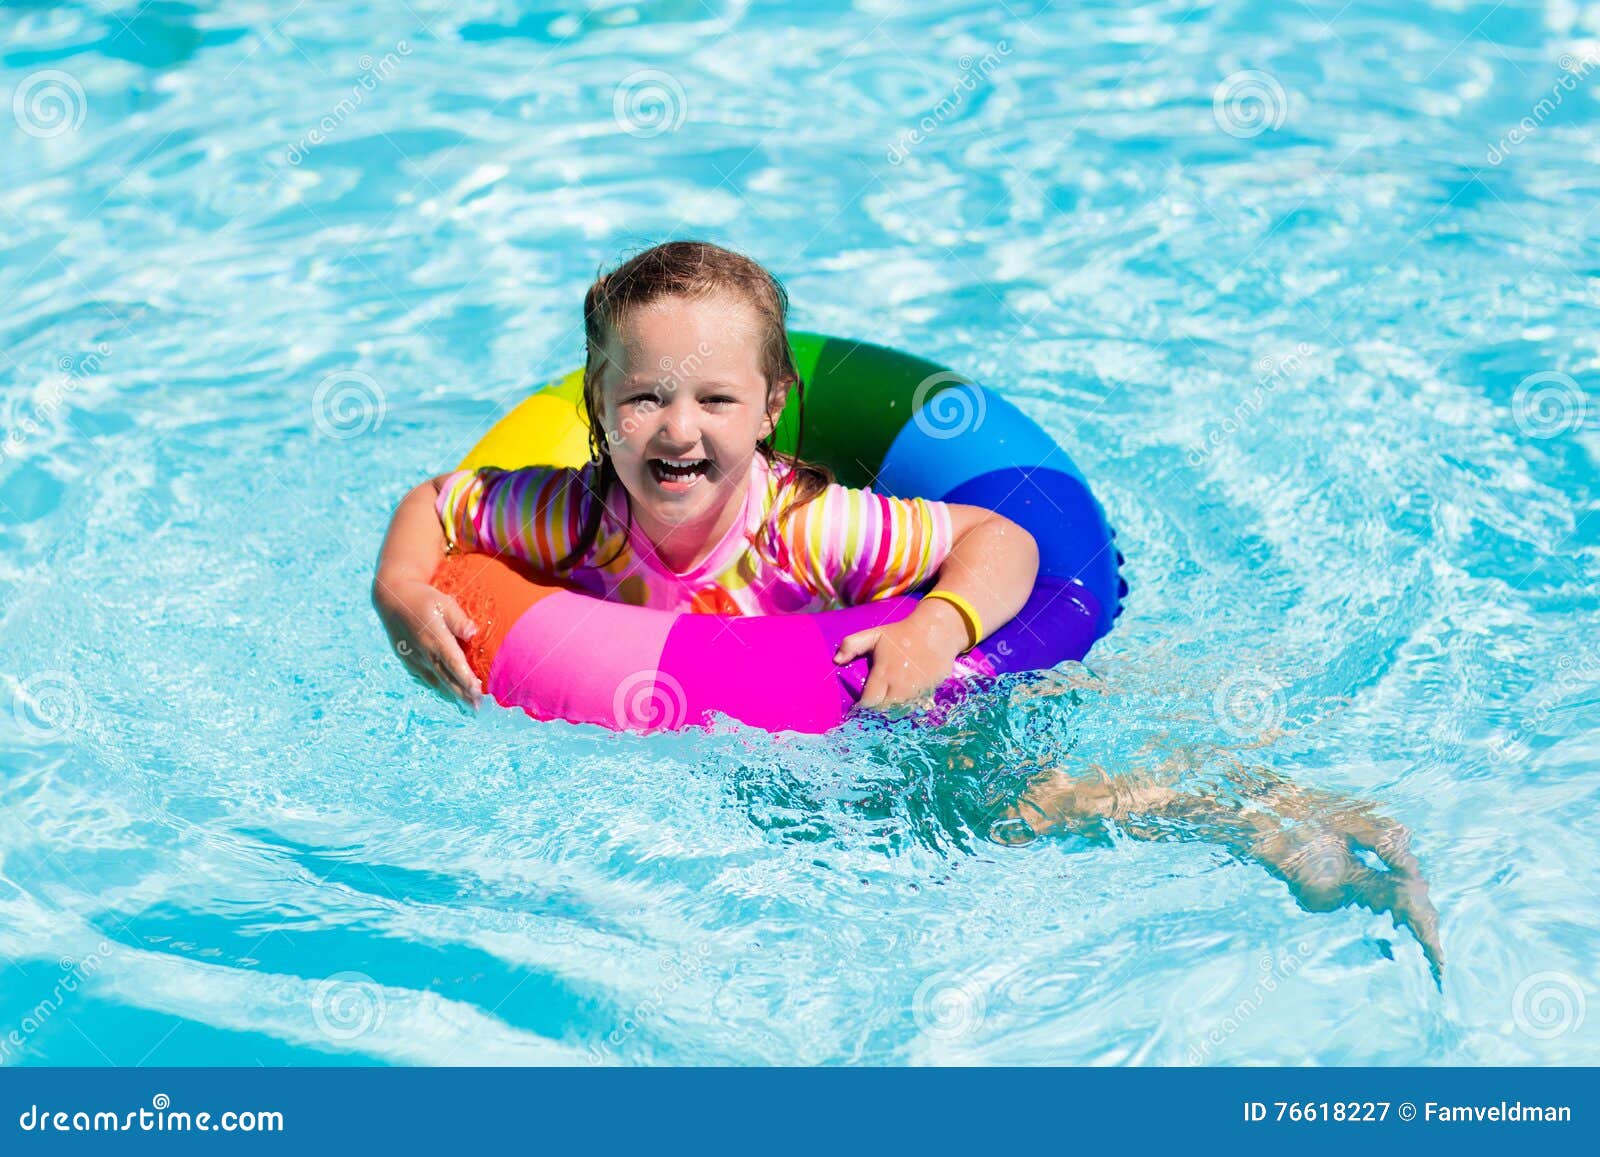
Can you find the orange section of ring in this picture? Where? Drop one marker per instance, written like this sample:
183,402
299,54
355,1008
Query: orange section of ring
494,592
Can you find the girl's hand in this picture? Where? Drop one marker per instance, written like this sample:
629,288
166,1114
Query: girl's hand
910,657
426,627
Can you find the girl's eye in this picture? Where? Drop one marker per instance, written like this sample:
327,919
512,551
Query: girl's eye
720,401
648,401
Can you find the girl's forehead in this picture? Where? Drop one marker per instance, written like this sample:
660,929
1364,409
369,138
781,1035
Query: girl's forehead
715,337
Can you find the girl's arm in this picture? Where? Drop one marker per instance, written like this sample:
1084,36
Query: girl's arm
425,625
991,565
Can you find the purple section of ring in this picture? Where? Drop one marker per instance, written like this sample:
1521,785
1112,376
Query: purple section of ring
1057,623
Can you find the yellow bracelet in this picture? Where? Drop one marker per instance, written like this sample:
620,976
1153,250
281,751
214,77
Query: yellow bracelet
969,615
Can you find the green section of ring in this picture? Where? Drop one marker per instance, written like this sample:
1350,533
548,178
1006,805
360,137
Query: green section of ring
858,398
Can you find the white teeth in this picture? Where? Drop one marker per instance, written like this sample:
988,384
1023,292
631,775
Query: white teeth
682,464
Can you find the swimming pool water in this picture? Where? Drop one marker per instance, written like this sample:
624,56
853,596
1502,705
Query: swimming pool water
1308,290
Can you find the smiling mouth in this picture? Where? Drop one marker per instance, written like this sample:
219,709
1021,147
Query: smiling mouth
679,473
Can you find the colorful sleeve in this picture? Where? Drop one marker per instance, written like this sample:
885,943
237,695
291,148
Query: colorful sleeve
533,514
857,546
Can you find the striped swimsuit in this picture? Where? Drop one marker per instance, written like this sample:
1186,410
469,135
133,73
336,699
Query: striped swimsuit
845,546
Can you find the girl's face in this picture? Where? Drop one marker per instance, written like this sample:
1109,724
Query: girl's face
684,401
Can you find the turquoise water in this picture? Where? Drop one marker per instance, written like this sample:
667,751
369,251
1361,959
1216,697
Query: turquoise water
1308,290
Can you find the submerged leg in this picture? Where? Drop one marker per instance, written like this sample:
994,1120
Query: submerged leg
1312,840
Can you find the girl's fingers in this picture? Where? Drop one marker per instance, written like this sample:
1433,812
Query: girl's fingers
888,682
872,689
414,659
852,647
877,694
456,620
434,657
450,668
441,665
461,677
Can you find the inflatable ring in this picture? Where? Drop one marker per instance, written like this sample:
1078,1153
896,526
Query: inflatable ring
878,418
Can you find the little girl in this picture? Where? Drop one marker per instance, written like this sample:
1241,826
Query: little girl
686,505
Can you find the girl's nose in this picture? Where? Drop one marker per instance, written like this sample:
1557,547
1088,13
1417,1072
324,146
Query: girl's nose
677,424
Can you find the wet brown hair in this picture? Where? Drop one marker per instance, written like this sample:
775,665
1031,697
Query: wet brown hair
695,270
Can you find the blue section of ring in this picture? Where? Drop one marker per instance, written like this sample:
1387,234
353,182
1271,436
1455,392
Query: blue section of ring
1063,517
967,444
960,432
